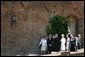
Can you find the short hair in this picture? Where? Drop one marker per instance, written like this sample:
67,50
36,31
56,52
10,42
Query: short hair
50,35
79,34
62,34
73,34
69,35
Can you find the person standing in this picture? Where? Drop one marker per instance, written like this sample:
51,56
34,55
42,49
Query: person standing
53,44
73,43
57,43
79,41
49,44
43,44
68,42
76,43
63,41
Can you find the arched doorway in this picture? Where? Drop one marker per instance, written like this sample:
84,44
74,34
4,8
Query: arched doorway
72,24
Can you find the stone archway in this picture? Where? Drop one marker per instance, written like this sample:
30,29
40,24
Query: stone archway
72,24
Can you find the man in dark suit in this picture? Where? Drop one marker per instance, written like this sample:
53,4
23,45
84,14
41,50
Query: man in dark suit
56,43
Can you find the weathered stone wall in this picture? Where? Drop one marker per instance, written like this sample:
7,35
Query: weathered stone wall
32,18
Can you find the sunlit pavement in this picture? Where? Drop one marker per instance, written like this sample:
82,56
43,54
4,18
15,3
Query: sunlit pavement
80,51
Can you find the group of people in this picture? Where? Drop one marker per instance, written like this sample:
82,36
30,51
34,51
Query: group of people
54,43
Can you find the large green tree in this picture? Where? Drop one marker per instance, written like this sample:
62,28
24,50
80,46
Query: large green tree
57,24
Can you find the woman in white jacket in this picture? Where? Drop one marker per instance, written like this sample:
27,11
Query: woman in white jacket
43,44
68,43
63,41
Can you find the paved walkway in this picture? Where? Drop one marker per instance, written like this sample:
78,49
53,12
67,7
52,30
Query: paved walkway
80,51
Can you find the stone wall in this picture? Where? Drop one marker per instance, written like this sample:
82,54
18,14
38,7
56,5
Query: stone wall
32,18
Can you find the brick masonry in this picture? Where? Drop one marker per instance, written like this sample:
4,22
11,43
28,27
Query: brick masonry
32,18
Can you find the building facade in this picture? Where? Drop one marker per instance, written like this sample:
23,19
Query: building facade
23,23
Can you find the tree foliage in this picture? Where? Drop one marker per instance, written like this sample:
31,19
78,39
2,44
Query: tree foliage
57,24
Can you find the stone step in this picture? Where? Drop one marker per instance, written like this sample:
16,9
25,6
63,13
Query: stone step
29,55
65,53
80,52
